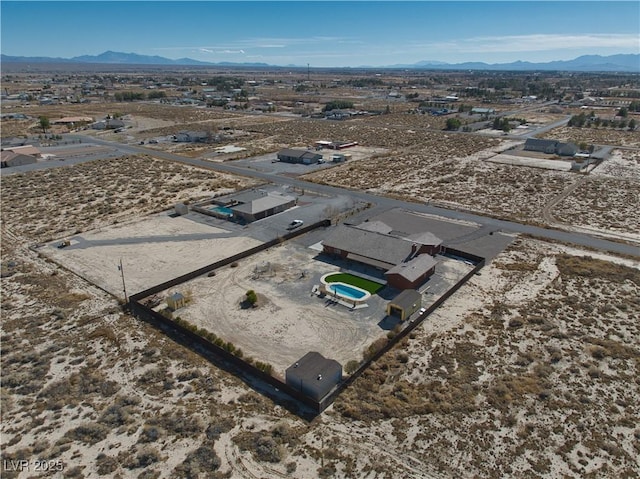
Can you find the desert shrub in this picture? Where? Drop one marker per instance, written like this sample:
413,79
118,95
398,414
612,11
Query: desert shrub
262,445
264,367
188,375
374,347
145,457
89,433
177,424
106,464
328,470
402,356
221,425
149,474
202,460
120,413
150,434
351,366
74,472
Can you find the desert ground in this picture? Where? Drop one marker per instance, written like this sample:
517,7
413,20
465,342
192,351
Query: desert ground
289,320
536,358
152,251
530,370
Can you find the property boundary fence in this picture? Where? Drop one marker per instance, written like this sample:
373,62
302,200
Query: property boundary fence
192,339
479,264
170,327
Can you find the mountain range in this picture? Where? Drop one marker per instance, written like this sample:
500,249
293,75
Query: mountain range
587,63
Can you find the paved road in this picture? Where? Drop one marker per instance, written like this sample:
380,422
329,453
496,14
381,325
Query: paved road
580,239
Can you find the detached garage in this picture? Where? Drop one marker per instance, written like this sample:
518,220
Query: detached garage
405,304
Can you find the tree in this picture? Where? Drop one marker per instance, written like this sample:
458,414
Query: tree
623,112
44,124
632,124
453,124
252,297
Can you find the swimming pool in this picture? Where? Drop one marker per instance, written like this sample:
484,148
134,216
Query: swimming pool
347,291
221,210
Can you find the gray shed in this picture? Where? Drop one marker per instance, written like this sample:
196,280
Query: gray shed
314,375
405,304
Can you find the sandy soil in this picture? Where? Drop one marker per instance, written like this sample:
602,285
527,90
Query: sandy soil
164,248
504,380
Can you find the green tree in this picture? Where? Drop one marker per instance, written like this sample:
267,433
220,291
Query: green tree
44,123
623,112
252,297
632,124
453,124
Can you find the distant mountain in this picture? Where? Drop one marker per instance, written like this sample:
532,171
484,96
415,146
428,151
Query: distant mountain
586,63
119,58
133,59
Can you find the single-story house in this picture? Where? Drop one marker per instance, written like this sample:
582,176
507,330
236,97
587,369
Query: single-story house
550,147
10,158
254,204
108,124
306,157
567,149
314,375
264,206
404,304
25,150
72,120
483,111
192,136
406,260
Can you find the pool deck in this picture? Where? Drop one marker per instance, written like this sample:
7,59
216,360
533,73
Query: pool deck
318,291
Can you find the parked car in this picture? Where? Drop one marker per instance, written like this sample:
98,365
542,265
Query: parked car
295,224
422,311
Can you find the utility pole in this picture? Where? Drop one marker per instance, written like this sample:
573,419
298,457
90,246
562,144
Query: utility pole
124,286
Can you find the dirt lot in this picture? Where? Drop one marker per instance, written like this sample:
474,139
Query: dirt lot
152,250
596,136
68,200
466,181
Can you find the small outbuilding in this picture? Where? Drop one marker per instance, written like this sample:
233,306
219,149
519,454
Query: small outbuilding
405,304
314,375
181,209
176,301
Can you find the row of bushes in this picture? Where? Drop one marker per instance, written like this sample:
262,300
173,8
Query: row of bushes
221,343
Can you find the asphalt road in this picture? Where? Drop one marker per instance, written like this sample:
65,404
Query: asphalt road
580,239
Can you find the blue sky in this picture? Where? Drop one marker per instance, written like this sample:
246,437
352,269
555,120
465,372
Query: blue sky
321,34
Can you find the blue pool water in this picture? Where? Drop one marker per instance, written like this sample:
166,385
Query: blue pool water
223,210
346,290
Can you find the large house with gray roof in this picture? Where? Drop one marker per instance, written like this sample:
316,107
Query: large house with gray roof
407,260
306,157
551,147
